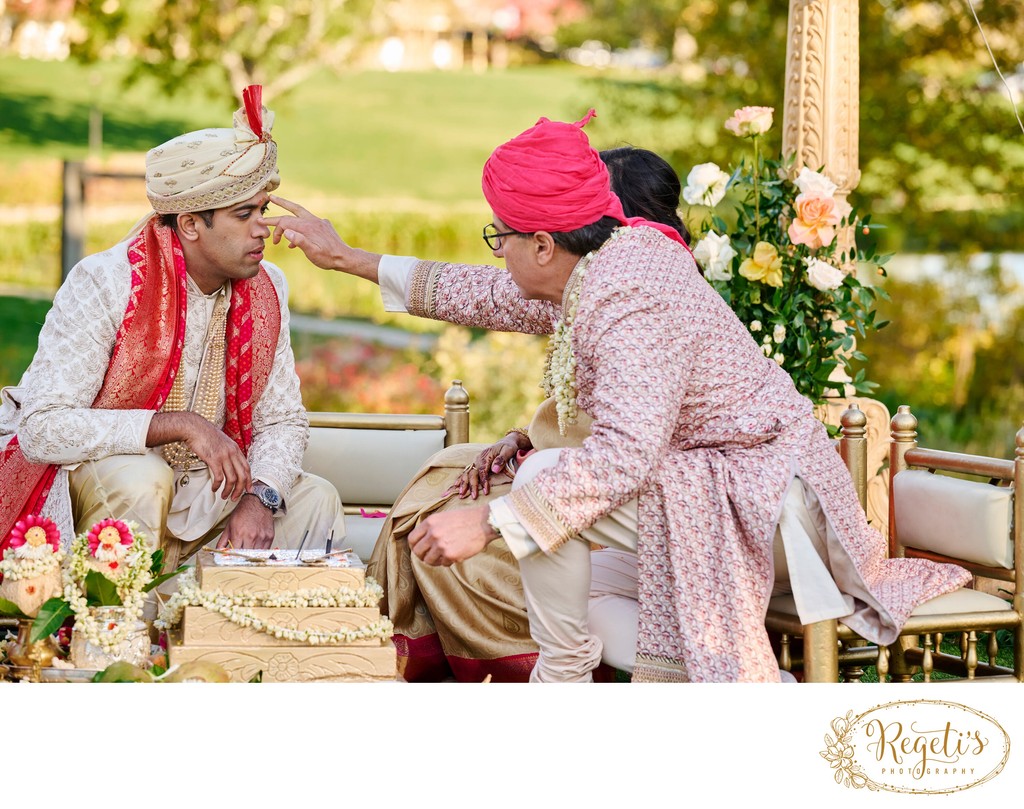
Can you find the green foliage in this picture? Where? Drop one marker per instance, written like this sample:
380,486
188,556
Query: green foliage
786,276
953,351
502,373
155,568
10,608
251,42
941,154
50,618
100,591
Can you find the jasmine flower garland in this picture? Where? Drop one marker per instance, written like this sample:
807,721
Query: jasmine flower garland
238,608
118,552
560,367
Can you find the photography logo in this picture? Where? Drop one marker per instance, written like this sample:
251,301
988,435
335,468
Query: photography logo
917,746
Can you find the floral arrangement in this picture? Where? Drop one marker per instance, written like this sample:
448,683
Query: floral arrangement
238,608
110,565
33,549
784,259
30,567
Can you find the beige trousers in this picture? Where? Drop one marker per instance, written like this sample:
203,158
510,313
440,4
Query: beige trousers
142,488
574,591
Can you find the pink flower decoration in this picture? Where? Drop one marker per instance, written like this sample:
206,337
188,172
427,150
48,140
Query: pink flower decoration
106,538
747,121
34,531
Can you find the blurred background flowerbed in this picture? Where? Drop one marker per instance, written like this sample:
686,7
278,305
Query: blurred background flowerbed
386,112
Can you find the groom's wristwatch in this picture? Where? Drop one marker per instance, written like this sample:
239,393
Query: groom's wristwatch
268,496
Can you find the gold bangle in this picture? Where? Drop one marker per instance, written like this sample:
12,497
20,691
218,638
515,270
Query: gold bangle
521,430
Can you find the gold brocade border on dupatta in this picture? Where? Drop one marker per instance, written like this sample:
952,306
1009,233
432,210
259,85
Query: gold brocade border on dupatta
539,519
254,323
145,358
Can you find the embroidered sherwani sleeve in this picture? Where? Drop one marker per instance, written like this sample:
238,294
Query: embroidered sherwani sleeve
635,345
479,296
58,424
280,424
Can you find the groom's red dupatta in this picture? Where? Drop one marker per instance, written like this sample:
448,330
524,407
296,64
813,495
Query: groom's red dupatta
146,356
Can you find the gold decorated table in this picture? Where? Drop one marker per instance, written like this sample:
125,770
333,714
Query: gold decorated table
205,635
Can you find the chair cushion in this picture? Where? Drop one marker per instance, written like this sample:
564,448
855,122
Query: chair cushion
963,519
369,466
361,535
962,601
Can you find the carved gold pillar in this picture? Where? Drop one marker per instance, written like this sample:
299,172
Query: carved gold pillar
820,120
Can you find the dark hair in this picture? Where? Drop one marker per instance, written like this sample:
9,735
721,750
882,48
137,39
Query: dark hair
581,241
647,185
170,220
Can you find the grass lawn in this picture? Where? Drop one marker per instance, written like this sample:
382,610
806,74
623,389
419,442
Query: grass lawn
389,137
22,318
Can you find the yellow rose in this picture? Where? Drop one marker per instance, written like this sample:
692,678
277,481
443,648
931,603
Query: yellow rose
764,266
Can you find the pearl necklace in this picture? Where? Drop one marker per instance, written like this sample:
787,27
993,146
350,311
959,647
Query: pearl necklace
209,387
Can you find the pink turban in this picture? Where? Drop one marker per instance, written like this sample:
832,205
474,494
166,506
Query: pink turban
550,178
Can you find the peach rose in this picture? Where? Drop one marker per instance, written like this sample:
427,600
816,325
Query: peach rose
764,266
747,121
815,221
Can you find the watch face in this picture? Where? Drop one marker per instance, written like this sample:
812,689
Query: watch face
269,497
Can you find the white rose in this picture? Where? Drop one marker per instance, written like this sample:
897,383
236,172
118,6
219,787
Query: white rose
715,255
705,185
823,276
814,184
779,333
779,358
766,350
755,325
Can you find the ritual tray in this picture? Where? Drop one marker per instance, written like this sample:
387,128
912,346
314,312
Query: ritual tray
47,674
232,574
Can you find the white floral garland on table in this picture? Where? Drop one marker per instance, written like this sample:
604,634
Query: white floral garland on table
238,608
128,570
560,366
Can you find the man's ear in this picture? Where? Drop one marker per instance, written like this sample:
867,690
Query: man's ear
544,247
188,226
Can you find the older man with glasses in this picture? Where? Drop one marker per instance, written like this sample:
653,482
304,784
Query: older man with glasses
701,451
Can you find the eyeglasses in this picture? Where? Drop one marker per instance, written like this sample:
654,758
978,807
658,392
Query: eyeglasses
493,238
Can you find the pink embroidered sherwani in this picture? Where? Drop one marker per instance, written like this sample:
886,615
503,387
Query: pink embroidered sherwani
706,433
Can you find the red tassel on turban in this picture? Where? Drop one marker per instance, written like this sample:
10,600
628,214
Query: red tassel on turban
550,178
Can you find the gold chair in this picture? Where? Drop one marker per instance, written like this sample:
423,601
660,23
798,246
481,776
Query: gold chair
973,520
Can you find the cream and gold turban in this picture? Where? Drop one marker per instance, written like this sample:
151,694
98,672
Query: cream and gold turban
215,168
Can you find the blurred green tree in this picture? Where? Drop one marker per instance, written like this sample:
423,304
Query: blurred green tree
225,44
941,151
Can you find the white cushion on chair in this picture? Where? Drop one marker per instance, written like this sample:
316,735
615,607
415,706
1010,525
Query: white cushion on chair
369,466
964,519
360,534
962,601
